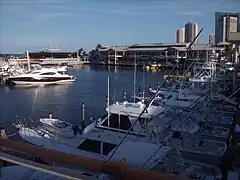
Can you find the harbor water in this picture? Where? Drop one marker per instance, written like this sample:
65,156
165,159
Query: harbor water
64,101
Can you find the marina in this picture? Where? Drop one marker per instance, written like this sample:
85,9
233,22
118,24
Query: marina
146,109
204,148
185,121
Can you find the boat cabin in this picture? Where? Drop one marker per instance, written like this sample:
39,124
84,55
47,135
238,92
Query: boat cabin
123,115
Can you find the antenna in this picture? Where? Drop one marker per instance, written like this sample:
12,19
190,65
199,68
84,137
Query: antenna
134,78
108,102
144,83
28,60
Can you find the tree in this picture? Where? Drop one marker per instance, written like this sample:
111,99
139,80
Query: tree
99,46
227,52
80,52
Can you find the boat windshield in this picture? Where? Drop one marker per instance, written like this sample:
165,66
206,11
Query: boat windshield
60,125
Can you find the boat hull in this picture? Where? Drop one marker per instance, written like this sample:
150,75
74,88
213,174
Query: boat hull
41,81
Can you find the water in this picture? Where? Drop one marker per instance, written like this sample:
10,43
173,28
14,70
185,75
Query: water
64,101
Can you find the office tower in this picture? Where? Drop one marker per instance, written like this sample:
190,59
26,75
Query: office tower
224,24
191,31
180,35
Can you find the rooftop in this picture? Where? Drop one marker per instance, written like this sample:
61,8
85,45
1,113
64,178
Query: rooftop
157,45
115,48
161,47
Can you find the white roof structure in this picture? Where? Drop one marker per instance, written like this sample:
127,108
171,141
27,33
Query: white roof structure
134,109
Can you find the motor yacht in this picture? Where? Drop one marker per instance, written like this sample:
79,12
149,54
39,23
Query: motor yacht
41,77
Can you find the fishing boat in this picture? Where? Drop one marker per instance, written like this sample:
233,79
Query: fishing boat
59,127
196,170
215,132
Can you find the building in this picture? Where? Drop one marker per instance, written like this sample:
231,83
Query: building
225,23
180,35
154,52
191,31
112,54
211,39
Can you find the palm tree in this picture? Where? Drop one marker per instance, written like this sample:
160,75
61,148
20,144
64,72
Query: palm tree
80,51
227,52
99,46
84,53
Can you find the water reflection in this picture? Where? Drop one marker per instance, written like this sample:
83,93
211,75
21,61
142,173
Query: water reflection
64,101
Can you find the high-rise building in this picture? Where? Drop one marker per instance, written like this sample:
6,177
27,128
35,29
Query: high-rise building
211,39
180,35
191,31
224,24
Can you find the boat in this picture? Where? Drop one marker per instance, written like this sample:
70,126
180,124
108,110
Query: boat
201,79
187,137
58,127
220,119
101,144
215,132
193,170
41,77
177,76
3,68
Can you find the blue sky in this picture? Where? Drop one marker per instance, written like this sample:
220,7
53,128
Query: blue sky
72,24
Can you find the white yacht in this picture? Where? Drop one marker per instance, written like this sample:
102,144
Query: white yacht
41,77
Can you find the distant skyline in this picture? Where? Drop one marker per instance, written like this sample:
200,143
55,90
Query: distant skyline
72,24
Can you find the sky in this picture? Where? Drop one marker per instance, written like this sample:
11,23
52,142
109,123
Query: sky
72,24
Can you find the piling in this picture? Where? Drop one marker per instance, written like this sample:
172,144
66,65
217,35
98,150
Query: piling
124,95
139,89
83,116
158,84
106,102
